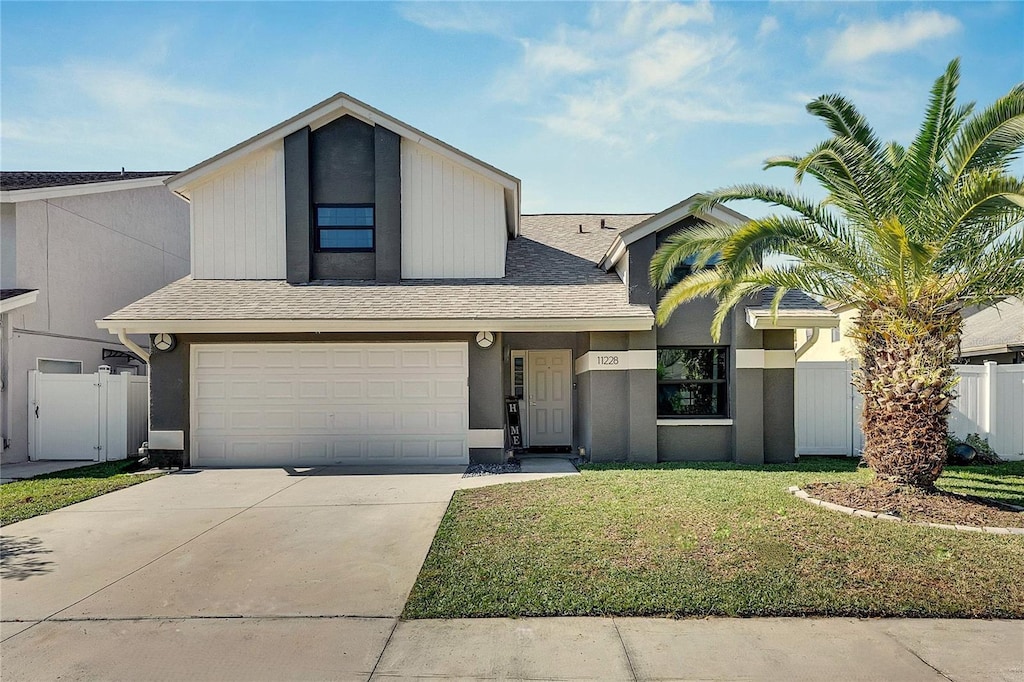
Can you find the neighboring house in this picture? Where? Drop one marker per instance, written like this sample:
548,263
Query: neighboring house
829,345
994,334
364,293
990,334
74,246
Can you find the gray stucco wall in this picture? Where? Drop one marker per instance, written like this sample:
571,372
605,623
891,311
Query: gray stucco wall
170,376
88,256
388,196
344,162
760,401
297,209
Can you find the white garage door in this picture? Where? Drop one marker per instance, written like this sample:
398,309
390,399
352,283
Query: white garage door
319,403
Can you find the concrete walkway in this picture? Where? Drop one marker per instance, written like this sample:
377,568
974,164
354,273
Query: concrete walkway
23,470
301,574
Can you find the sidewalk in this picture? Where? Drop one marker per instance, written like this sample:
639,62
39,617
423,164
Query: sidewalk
361,648
23,470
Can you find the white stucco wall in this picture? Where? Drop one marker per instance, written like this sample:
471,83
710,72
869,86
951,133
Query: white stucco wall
88,256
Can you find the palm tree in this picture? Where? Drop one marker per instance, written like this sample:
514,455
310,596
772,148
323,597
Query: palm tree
908,235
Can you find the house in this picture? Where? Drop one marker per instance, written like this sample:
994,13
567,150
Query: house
829,345
994,334
362,292
74,246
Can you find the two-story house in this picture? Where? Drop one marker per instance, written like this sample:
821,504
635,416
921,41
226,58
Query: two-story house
74,246
362,292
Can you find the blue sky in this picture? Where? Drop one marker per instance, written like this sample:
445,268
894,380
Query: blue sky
598,107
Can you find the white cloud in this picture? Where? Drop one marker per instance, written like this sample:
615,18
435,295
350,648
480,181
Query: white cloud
457,17
554,59
768,26
858,42
100,110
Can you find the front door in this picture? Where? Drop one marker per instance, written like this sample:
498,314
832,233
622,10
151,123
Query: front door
549,398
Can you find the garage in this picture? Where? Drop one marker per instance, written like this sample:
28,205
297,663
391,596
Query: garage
281,404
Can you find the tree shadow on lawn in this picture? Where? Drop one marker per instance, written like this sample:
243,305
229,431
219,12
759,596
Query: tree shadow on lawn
809,465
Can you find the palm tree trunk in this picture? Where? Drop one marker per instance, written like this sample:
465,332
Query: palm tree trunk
907,380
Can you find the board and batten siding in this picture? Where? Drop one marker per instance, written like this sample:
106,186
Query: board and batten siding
453,220
238,223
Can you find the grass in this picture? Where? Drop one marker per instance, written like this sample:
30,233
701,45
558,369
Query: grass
711,539
22,500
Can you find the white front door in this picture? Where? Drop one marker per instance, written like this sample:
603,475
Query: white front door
549,397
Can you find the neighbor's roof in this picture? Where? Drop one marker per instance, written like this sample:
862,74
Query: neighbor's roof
16,298
15,180
995,329
796,310
552,281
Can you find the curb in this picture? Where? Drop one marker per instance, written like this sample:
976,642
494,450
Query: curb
994,530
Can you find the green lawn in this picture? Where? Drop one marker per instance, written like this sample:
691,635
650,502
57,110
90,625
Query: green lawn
22,500
711,539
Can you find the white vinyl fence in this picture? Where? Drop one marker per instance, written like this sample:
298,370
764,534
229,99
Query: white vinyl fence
93,417
990,402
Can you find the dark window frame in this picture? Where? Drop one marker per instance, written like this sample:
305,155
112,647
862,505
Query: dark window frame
725,411
317,228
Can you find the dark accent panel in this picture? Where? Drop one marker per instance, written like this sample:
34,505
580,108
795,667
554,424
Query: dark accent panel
779,427
486,455
334,265
639,255
298,217
486,399
643,415
748,416
388,192
168,399
779,339
609,416
694,443
342,172
342,162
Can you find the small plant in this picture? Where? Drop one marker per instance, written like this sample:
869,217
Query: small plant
984,452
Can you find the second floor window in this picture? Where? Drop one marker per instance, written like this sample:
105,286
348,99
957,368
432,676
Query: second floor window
347,227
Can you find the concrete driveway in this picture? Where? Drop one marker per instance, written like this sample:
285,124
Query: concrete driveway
277,575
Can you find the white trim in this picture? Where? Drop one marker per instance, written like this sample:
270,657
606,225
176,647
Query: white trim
18,301
670,216
37,193
486,438
566,324
321,114
764,319
166,440
694,422
600,360
757,358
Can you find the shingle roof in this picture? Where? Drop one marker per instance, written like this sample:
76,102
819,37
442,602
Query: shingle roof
15,180
11,293
551,273
994,328
792,301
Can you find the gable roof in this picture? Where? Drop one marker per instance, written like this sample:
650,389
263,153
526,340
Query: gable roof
552,282
994,329
659,221
329,110
34,185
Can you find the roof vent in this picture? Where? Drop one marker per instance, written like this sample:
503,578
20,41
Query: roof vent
582,231
605,226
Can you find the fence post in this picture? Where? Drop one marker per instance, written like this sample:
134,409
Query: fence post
988,398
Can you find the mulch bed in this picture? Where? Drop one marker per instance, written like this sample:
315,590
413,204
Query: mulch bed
911,504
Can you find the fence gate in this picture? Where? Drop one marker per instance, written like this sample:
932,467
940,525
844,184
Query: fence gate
989,402
827,410
92,417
